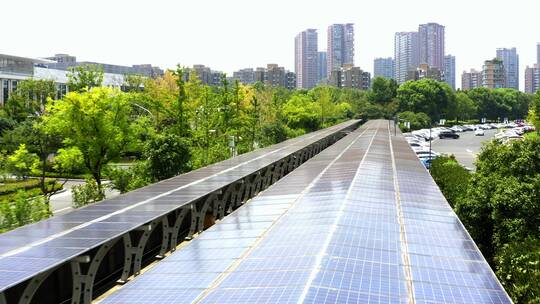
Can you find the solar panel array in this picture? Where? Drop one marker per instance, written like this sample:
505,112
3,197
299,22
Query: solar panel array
33,249
361,222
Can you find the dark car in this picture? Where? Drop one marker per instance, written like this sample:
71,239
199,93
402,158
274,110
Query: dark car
448,134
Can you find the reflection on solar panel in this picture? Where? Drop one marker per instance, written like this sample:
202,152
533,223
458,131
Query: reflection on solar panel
39,248
352,225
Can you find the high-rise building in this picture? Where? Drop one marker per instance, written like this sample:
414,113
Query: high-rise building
406,54
431,44
471,80
322,70
275,76
305,59
493,74
383,67
260,75
450,70
340,49
510,60
349,76
532,79
245,76
538,53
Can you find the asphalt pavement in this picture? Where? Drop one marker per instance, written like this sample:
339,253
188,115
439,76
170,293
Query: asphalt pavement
466,148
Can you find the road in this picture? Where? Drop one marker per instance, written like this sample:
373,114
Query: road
465,148
61,202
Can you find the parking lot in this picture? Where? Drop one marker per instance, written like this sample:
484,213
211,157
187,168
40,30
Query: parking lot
465,148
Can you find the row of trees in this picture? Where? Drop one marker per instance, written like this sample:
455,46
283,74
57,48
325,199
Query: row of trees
437,100
167,125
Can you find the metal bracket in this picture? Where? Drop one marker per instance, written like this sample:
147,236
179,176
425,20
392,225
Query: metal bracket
84,283
197,216
170,233
2,298
133,253
33,286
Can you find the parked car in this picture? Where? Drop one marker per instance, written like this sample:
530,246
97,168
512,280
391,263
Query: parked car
426,162
448,134
479,132
425,154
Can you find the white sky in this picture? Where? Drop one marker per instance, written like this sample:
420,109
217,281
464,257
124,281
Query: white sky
231,34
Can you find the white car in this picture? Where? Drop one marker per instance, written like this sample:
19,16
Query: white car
479,132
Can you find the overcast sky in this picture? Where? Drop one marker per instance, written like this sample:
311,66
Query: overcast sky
231,34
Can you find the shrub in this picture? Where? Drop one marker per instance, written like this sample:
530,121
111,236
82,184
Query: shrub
451,178
22,210
86,193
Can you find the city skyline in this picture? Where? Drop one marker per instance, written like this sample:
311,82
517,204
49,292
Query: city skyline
169,33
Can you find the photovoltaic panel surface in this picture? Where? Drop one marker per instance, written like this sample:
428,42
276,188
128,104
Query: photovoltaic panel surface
350,225
59,239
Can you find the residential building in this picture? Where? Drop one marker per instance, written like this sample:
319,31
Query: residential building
340,49
349,76
431,45
66,62
245,76
14,69
471,79
493,74
275,76
290,83
532,79
383,67
510,60
305,59
322,64
206,75
406,54
450,70
260,75
425,71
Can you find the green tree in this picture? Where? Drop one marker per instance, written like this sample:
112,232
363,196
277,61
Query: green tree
29,99
417,120
466,108
22,163
85,77
383,90
167,155
97,122
518,268
429,96
302,113
534,111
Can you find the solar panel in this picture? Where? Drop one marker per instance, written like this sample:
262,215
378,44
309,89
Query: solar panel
349,226
61,238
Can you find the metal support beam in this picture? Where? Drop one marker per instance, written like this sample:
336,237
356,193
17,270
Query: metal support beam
170,233
2,298
83,284
133,252
33,286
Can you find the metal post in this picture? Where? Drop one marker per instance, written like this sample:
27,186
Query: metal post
430,123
